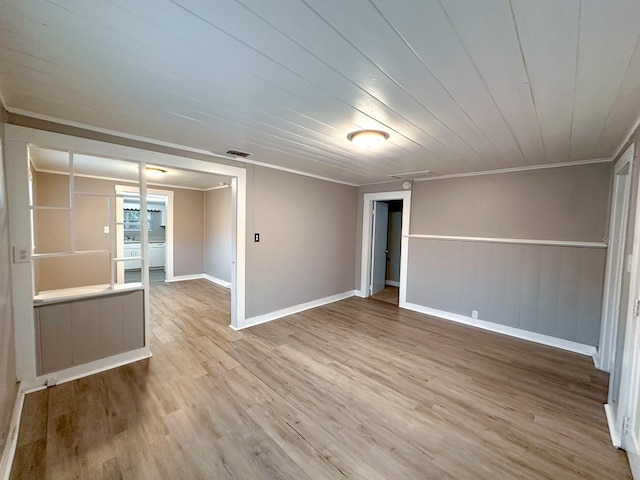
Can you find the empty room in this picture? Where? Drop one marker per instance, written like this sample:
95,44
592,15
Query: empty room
319,240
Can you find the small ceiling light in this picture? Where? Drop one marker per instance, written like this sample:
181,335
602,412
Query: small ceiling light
368,138
154,172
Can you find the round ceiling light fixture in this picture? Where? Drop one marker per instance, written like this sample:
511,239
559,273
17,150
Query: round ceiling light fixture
368,138
154,172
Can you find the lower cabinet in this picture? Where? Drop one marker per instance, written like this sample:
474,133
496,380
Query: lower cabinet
132,250
80,331
156,255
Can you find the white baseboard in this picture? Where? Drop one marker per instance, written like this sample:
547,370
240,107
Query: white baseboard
267,317
504,329
613,431
392,283
597,361
215,280
360,293
634,463
182,278
91,368
9,452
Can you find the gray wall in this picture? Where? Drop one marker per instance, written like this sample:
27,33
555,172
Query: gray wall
555,291
551,290
8,385
566,203
218,233
188,232
307,239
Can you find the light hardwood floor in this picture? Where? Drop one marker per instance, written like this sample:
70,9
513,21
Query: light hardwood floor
388,294
355,389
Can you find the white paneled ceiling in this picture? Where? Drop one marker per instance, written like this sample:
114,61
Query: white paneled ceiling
460,85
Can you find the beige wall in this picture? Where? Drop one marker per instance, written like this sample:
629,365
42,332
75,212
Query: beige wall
8,385
218,234
188,232
52,232
563,203
307,239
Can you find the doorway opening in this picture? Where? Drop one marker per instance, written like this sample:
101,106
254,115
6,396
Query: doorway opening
384,283
130,221
385,246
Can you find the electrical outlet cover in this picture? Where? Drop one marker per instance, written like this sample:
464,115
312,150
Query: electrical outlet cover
21,254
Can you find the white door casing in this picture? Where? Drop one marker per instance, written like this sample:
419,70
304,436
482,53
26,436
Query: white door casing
615,261
365,258
17,141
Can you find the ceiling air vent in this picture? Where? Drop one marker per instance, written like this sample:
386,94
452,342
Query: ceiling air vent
412,175
238,153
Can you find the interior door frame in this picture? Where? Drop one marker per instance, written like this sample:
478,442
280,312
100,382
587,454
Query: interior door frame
615,262
17,141
367,229
625,426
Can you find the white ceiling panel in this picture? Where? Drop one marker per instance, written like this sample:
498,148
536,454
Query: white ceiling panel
609,32
548,32
459,85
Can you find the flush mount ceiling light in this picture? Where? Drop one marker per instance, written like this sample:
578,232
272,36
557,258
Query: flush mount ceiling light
368,138
154,172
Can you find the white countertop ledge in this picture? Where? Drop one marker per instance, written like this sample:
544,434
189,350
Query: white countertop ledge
69,294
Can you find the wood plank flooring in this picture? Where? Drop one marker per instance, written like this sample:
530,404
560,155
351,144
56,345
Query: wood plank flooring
388,294
357,389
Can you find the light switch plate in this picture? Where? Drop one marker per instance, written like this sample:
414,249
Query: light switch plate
21,254
106,229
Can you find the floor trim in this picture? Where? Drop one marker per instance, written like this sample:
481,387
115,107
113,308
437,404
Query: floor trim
222,283
91,368
182,278
392,283
613,432
634,463
505,330
10,447
267,317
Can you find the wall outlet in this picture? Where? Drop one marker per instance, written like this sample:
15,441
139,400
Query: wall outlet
21,254
474,313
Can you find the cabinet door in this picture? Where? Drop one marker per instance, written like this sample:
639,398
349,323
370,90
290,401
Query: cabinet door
136,253
161,254
131,250
54,327
157,256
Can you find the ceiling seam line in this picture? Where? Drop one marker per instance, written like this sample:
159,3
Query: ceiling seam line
477,69
526,72
619,91
575,80
415,53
